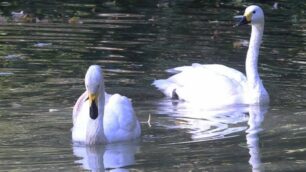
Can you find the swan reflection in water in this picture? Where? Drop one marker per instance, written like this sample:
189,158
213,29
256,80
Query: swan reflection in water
256,117
110,157
205,123
211,124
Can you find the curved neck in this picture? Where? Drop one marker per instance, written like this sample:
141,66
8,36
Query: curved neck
101,104
95,128
252,56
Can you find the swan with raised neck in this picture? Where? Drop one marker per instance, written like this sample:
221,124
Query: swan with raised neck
216,85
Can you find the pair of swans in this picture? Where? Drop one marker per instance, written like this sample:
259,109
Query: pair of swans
100,118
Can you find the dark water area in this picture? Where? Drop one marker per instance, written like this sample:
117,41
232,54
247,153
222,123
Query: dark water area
46,49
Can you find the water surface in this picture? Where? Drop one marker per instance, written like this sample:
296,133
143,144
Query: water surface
45,52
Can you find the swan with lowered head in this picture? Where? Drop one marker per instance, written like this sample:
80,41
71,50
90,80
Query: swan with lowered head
100,118
217,85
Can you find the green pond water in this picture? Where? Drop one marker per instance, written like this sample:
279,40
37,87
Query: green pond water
45,52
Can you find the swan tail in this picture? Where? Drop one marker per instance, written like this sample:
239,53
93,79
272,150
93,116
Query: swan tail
165,86
183,68
178,69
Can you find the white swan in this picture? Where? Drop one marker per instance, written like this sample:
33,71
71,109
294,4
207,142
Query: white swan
100,118
214,84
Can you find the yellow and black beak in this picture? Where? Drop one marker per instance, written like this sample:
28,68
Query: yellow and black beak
243,20
93,106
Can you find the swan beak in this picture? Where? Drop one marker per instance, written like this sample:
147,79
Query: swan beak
242,20
93,108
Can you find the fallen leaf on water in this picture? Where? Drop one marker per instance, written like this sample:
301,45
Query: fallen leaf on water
75,20
240,43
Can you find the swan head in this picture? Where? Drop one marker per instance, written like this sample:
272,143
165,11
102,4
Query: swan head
252,15
94,84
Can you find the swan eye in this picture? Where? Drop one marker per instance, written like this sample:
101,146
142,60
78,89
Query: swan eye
254,12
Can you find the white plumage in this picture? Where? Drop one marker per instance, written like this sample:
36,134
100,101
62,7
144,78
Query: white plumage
217,85
99,117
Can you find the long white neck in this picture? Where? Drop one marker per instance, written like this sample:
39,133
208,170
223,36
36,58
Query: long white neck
95,133
101,105
252,56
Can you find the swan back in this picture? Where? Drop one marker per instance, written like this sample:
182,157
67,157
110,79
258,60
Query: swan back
120,122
